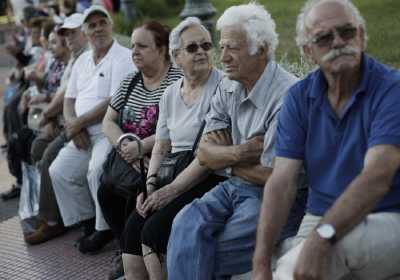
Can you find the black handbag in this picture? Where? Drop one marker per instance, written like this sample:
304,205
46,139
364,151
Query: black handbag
117,172
174,163
126,180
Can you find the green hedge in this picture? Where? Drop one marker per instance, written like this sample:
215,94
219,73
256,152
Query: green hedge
159,8
381,16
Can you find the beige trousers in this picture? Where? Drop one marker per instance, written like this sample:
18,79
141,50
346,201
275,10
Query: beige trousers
371,251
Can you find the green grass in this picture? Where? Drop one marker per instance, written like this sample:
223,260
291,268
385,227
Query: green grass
382,17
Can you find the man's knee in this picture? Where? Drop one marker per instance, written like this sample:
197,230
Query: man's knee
96,163
188,217
50,153
38,147
95,171
45,162
55,170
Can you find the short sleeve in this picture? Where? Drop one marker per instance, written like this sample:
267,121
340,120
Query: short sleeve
385,125
117,100
120,69
268,154
162,131
291,127
218,117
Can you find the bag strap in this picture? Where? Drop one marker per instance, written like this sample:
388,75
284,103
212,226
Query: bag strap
130,89
203,124
198,136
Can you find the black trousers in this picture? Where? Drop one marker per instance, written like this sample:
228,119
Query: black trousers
114,208
12,123
154,230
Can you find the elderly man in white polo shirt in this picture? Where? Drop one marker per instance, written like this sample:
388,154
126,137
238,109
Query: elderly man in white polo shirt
76,171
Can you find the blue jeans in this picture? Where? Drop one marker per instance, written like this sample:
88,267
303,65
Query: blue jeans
214,237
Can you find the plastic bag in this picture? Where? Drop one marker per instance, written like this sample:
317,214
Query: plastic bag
30,191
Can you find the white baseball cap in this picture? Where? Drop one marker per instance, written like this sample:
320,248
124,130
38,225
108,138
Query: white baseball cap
96,9
71,22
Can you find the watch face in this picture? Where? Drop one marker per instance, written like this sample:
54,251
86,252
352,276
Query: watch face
326,231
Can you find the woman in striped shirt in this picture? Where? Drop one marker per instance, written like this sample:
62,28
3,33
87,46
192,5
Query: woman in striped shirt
134,109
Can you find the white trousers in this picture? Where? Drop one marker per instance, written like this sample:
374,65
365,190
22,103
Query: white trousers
75,175
371,251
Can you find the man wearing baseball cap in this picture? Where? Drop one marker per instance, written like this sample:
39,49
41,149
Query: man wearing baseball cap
76,171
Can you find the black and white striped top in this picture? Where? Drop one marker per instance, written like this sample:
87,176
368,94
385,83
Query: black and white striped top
140,113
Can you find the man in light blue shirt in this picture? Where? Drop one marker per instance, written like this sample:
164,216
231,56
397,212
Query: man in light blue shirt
342,123
219,229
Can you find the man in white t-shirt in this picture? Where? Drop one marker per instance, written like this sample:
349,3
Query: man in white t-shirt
76,171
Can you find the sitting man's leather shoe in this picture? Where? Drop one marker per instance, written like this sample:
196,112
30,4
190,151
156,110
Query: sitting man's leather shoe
95,242
14,192
44,233
88,228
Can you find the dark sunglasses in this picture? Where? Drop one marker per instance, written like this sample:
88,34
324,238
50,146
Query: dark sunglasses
194,47
347,33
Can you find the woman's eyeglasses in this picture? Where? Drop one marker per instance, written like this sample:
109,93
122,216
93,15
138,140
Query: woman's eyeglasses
194,47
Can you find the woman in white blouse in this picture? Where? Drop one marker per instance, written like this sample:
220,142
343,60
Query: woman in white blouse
183,108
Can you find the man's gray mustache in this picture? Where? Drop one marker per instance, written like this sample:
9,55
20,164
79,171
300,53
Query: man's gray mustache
332,54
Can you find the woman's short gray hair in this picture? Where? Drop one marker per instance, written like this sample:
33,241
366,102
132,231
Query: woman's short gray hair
175,42
302,37
256,21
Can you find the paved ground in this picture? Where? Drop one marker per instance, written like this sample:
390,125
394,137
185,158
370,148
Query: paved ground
57,259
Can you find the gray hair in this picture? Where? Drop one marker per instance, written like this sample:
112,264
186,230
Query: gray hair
256,21
302,38
175,42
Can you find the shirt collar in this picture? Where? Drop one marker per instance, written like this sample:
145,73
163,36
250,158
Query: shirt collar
113,51
81,51
258,93
319,84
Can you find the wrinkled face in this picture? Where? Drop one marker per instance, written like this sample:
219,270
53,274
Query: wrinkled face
56,47
235,56
195,52
145,53
75,38
99,31
336,40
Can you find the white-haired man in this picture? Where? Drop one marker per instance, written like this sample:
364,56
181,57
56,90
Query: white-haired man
214,237
76,171
342,123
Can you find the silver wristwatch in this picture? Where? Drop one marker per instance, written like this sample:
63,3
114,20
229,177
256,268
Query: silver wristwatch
327,232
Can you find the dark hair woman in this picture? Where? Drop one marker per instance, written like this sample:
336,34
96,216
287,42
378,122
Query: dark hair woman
136,111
